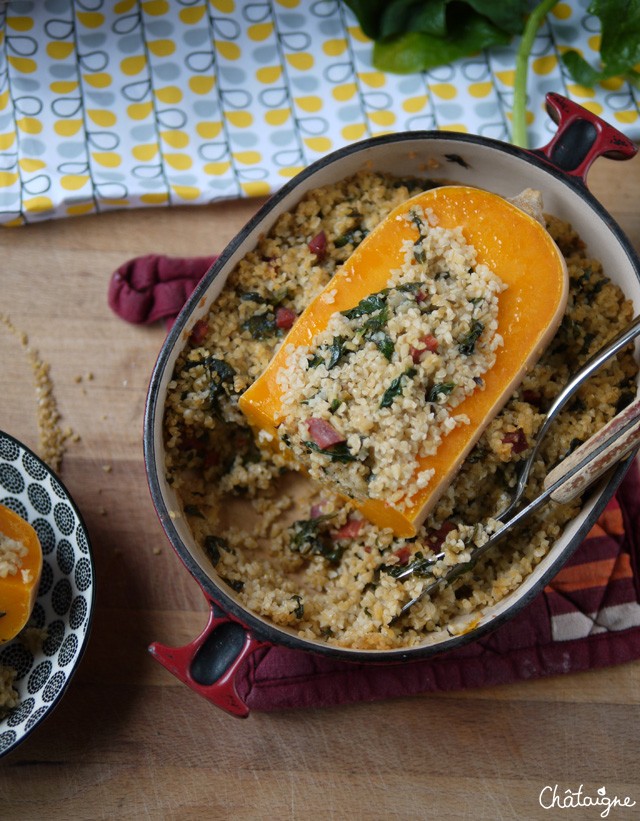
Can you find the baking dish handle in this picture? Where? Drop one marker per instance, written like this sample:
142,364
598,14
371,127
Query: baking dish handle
581,138
210,663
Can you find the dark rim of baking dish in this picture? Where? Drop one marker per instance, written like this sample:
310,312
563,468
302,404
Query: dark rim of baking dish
85,640
261,629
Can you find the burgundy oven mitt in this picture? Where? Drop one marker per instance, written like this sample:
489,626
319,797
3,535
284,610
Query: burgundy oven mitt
587,617
147,289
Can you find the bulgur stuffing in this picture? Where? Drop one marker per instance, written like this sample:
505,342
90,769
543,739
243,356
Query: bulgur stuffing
376,389
294,552
32,638
11,555
9,697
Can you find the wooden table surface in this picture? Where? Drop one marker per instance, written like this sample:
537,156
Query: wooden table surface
128,740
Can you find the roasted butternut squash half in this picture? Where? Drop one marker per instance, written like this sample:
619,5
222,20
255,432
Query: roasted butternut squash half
20,569
496,313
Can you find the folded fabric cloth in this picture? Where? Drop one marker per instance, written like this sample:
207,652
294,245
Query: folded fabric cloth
154,287
587,617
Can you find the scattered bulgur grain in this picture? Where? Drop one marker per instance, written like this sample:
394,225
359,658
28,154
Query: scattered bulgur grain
52,438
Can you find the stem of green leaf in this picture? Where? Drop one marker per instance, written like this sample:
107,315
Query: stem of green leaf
519,127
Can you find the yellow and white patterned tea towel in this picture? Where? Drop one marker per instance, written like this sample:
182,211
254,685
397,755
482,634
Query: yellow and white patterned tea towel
122,103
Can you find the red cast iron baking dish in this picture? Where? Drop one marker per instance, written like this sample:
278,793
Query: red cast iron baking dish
210,663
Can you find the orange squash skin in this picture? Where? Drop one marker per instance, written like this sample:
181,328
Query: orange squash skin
513,245
18,597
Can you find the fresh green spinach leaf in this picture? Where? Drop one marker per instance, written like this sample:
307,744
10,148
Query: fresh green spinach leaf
619,44
417,51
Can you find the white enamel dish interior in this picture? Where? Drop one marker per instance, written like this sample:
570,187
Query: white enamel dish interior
465,160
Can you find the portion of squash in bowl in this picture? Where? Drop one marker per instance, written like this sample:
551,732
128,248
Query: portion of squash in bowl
391,374
20,569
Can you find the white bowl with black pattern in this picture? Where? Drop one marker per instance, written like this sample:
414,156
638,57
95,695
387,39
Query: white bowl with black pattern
65,597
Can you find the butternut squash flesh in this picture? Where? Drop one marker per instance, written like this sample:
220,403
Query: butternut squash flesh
18,591
515,247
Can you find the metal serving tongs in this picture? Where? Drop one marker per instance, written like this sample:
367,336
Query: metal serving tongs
593,364
568,479
571,476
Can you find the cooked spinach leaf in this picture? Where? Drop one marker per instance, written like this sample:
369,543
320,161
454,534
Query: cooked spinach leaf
384,344
376,322
234,584
261,326
410,287
223,371
368,305
221,374
395,388
336,453
212,547
299,611
441,389
272,299
308,539
467,343
192,510
336,352
253,296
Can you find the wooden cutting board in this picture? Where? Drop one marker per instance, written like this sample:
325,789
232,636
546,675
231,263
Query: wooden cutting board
128,741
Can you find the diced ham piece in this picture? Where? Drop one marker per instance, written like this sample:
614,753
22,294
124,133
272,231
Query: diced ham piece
437,537
199,332
285,318
318,245
517,439
323,433
192,443
316,510
403,554
429,343
532,397
349,530
211,459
